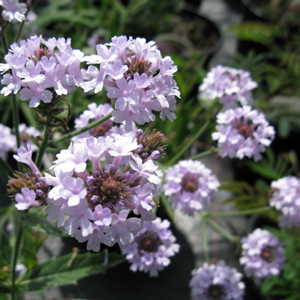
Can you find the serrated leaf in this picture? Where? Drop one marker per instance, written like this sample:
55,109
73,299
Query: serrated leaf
67,270
41,224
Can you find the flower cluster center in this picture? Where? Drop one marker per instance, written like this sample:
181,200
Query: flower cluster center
190,182
138,66
108,188
268,254
216,292
148,242
245,130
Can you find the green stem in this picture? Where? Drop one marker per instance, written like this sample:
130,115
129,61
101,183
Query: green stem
20,30
43,146
240,213
205,242
15,256
82,130
221,230
205,153
188,144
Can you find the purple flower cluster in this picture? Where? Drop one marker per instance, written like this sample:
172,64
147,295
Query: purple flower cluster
263,254
92,198
216,282
230,85
286,198
243,131
152,247
41,67
189,185
29,189
13,10
139,80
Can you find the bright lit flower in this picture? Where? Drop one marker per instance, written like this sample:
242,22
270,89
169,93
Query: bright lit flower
13,10
286,198
263,254
95,205
40,66
229,85
243,132
216,282
152,247
190,185
139,80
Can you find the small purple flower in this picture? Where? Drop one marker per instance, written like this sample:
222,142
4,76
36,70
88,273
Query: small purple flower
230,85
286,198
190,185
243,132
13,10
152,247
26,199
216,282
263,254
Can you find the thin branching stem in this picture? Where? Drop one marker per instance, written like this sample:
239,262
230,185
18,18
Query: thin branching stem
81,130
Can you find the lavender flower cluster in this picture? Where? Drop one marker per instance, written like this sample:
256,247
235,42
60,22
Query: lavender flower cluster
190,185
286,198
152,247
40,68
263,254
243,131
216,281
230,85
139,80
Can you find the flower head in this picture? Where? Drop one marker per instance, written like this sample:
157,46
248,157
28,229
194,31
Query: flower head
139,80
216,282
243,132
152,247
190,185
13,10
286,198
94,199
41,67
263,254
230,85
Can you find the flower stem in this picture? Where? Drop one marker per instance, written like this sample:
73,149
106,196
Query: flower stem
15,256
205,153
43,146
188,145
81,130
240,213
204,235
221,230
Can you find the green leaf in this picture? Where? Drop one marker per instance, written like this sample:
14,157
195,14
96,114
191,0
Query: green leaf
168,207
5,250
5,170
259,32
41,224
32,241
68,269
